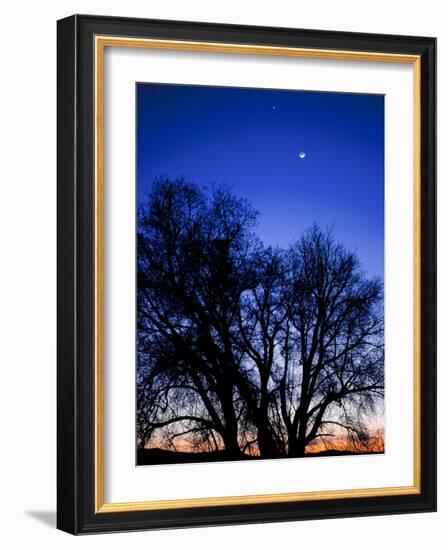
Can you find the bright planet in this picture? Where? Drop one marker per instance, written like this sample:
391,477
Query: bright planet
302,155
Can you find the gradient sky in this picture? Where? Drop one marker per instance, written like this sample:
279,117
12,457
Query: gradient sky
250,139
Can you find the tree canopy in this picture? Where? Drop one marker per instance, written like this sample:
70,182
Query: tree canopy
247,348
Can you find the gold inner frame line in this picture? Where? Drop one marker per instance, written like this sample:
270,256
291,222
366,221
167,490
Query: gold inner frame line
101,42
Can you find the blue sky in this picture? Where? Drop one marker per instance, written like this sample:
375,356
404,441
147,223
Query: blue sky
250,139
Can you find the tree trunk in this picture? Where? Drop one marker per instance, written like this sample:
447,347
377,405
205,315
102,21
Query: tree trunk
266,443
298,448
230,434
297,442
230,439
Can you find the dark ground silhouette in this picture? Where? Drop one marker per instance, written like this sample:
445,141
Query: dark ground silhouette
146,457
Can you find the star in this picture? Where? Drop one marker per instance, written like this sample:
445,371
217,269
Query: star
302,155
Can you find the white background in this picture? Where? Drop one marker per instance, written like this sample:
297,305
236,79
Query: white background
27,275
123,481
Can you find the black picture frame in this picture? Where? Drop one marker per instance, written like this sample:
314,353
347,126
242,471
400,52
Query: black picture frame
76,511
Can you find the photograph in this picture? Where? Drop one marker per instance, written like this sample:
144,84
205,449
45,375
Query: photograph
246,322
259,274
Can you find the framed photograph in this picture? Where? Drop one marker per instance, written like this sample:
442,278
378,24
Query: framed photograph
246,274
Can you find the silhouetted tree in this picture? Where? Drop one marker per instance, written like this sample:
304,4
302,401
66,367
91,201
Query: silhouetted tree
333,348
246,348
261,318
191,272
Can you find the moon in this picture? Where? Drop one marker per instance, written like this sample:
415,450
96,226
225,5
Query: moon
302,155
